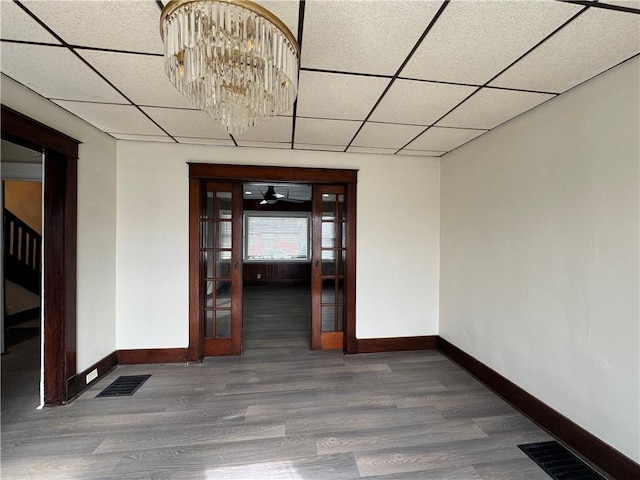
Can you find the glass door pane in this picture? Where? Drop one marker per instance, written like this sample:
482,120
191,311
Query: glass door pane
221,270
328,272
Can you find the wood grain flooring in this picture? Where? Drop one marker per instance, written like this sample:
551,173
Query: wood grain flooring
280,411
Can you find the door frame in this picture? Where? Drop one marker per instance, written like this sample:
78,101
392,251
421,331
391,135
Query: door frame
60,201
202,172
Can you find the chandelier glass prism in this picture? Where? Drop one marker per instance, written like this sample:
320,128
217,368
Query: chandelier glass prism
231,58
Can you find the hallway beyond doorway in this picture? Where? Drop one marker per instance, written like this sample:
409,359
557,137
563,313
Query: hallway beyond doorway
276,319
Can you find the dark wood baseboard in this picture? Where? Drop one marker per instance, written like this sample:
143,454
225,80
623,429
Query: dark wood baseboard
587,445
152,355
78,382
398,344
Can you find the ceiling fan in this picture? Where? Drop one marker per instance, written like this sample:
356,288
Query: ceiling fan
271,196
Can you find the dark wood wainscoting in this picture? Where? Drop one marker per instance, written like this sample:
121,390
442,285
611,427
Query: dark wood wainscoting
260,273
574,436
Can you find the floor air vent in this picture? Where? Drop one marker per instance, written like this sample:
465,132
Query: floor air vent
124,386
559,462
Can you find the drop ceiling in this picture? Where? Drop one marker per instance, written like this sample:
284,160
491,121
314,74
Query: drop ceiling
399,77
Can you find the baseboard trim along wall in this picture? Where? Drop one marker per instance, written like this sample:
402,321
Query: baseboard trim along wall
79,382
152,355
574,436
399,344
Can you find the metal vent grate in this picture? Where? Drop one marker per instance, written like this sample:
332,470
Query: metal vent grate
123,386
558,462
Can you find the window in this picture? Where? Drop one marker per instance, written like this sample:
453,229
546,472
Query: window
277,236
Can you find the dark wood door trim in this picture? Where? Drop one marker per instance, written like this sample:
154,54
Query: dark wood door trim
199,172
60,242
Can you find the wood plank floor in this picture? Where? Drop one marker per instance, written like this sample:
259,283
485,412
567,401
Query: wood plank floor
280,411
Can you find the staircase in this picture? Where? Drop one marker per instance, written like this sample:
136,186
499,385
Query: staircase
22,253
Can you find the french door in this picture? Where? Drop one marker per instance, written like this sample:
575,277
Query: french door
328,267
221,269
215,255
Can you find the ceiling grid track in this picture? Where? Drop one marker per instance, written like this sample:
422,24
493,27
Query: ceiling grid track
354,94
406,60
494,77
74,52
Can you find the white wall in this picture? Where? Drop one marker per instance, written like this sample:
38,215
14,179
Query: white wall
96,220
397,262
539,254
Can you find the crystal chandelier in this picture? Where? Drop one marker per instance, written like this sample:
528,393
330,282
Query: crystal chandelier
231,58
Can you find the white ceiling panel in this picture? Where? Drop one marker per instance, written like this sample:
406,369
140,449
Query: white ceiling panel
419,103
347,97
623,3
121,25
277,145
140,77
490,107
385,135
285,10
326,148
594,42
16,24
487,35
276,130
363,36
443,139
206,141
375,151
55,72
112,118
325,132
186,123
143,138
350,51
420,153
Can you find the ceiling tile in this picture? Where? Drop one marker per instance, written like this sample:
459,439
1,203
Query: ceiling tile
112,118
278,145
16,24
592,43
385,135
329,95
187,123
276,130
419,103
143,138
131,26
285,10
363,36
325,148
420,153
149,85
473,41
443,139
206,141
490,107
376,151
622,3
55,72
329,132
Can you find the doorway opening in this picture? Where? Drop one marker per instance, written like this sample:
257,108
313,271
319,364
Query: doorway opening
276,268
21,274
223,262
59,176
